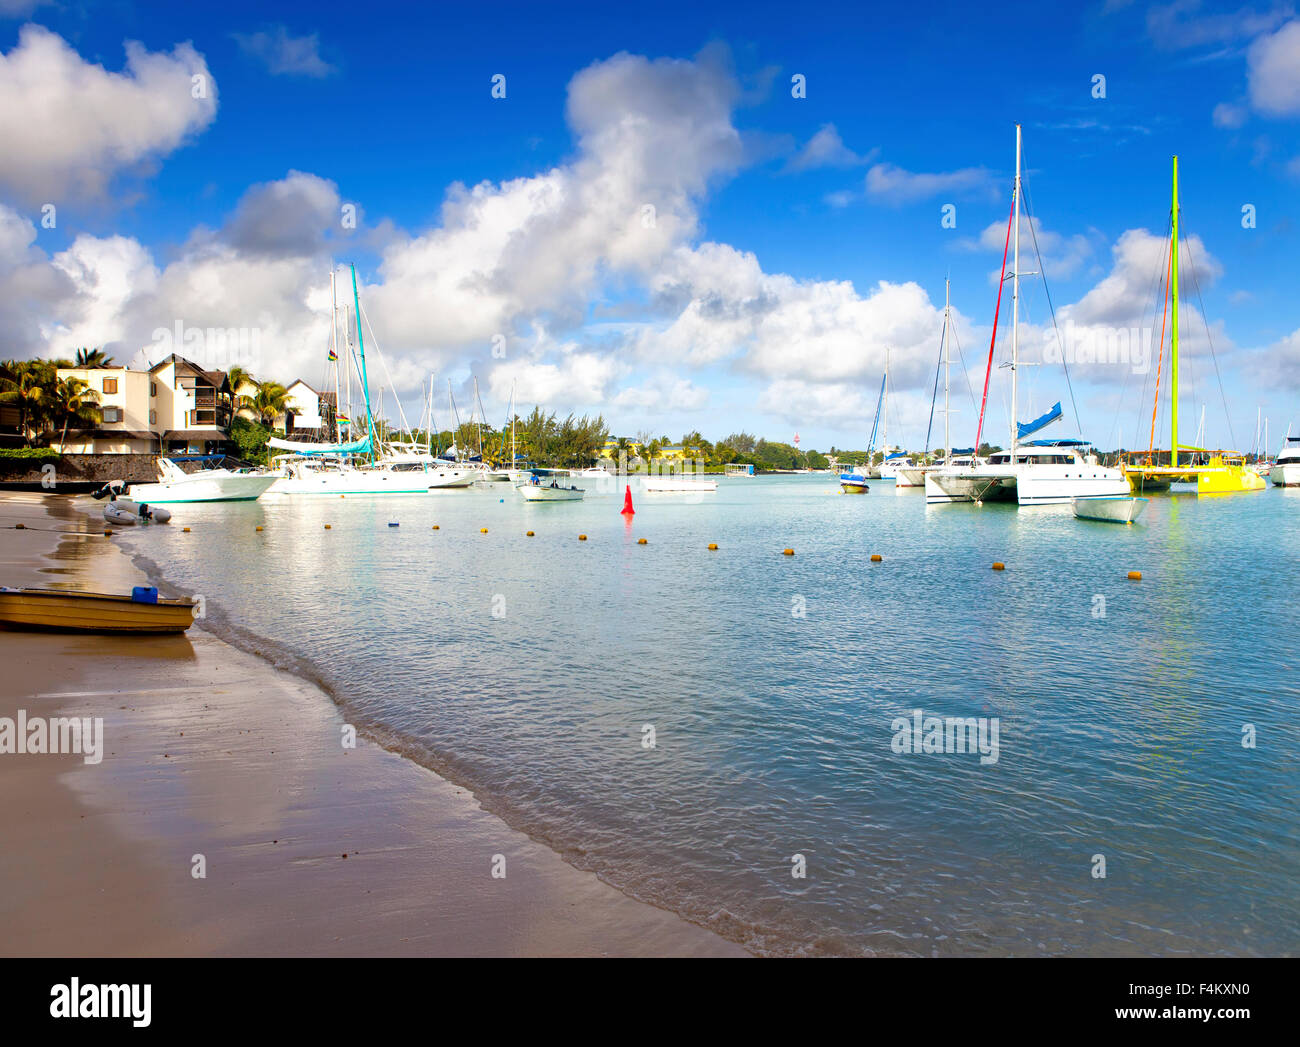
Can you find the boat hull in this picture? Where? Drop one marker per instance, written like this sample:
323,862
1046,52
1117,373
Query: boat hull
374,481
911,476
1286,474
1120,510
58,610
233,487
530,493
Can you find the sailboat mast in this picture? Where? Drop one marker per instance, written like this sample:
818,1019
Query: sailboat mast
1015,301
1173,357
514,457
334,346
361,349
947,360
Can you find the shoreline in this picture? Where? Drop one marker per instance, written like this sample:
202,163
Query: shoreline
211,750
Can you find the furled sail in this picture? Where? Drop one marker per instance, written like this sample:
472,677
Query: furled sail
1024,429
361,446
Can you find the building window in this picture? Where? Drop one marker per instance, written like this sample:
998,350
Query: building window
153,417
110,385
112,414
153,388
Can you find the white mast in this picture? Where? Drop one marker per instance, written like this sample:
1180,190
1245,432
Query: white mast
1015,303
947,359
334,348
884,415
514,455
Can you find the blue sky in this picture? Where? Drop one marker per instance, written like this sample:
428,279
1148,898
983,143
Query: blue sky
819,202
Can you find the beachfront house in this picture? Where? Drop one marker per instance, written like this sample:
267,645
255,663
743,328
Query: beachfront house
175,407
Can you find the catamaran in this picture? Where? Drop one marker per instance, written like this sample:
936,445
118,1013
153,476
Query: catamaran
1213,472
1036,472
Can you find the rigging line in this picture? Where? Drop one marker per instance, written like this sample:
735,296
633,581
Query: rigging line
383,360
1169,258
1042,271
934,395
1002,282
961,359
1222,395
1150,297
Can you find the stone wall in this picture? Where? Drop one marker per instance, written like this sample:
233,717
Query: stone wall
81,472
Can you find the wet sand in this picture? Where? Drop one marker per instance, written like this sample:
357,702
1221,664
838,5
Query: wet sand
213,757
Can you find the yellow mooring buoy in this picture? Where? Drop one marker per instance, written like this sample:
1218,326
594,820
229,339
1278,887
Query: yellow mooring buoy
640,541
582,537
1135,576
185,530
787,552
327,527
998,565
528,534
482,530
713,546
259,527
876,558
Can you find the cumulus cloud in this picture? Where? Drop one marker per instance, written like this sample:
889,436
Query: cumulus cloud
1273,72
69,126
1183,24
283,54
292,216
1063,256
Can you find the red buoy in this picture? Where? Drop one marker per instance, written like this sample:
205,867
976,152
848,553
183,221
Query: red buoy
627,503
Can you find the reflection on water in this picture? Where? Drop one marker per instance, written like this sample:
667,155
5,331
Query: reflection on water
530,669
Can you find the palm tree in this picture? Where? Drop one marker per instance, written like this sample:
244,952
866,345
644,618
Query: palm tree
74,400
27,384
624,448
267,403
93,358
237,376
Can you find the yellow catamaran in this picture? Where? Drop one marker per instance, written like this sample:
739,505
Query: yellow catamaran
1213,472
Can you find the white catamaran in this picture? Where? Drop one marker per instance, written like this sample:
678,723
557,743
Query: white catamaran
1037,472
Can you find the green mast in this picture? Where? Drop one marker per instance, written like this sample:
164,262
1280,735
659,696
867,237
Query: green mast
365,385
1173,365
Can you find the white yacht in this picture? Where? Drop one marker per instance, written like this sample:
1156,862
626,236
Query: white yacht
206,485
893,463
316,475
1035,472
1286,470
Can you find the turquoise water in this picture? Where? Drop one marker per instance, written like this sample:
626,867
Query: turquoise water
1119,736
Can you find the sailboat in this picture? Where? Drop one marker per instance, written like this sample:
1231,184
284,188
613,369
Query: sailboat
854,481
333,469
1034,472
1221,472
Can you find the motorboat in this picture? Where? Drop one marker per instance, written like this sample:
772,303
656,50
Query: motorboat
1109,509
210,484
1286,470
65,610
127,513
537,491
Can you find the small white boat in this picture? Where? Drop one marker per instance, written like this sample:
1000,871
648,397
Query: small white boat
854,483
1109,509
536,491
206,485
667,484
126,513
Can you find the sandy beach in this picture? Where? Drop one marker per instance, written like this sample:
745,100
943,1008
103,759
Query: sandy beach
309,848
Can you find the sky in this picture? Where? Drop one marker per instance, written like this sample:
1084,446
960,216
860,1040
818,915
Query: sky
684,216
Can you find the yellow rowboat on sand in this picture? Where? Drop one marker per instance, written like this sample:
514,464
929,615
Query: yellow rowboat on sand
64,610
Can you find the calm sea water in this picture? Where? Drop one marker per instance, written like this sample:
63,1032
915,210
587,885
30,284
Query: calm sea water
1121,705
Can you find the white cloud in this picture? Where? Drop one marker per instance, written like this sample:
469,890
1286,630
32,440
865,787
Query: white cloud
69,126
889,183
1228,116
283,54
1063,256
1182,24
827,149
1273,71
